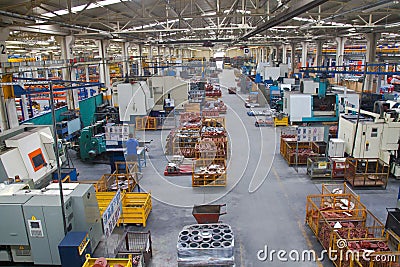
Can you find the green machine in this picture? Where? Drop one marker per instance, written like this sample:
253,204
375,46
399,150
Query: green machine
92,141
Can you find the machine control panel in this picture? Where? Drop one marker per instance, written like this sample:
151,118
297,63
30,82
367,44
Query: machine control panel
35,228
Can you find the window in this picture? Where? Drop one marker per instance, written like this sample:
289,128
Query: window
37,159
374,132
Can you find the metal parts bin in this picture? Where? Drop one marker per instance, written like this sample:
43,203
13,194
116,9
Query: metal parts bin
136,244
208,213
136,208
319,167
110,262
365,172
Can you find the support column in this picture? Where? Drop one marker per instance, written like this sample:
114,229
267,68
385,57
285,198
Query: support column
87,74
271,55
340,42
69,73
165,53
140,66
159,70
278,55
126,70
284,54
24,107
264,54
304,53
370,59
8,108
292,55
151,53
318,53
104,71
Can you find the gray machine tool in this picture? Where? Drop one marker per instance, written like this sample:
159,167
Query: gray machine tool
13,231
86,212
44,224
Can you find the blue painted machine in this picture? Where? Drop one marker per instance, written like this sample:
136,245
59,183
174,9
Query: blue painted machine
73,249
312,104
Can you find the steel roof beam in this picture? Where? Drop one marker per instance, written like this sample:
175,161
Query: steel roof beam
297,9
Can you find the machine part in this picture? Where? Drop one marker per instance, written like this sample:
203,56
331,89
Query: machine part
227,231
195,232
184,238
196,239
227,237
207,239
5,255
205,233
92,141
216,231
21,254
226,244
185,232
183,245
194,245
216,238
100,262
205,245
216,244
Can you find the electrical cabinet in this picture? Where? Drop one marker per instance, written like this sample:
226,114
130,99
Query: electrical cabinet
44,223
336,148
87,213
73,249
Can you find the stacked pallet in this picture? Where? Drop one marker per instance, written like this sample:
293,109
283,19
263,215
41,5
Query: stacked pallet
213,147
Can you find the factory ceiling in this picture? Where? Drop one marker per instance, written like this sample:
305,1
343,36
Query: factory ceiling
182,22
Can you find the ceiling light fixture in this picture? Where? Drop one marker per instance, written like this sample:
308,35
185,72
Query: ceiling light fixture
82,7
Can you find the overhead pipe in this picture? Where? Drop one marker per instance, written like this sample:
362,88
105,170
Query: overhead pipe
197,41
293,11
361,8
183,30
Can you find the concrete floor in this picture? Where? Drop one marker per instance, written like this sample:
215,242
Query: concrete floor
265,198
